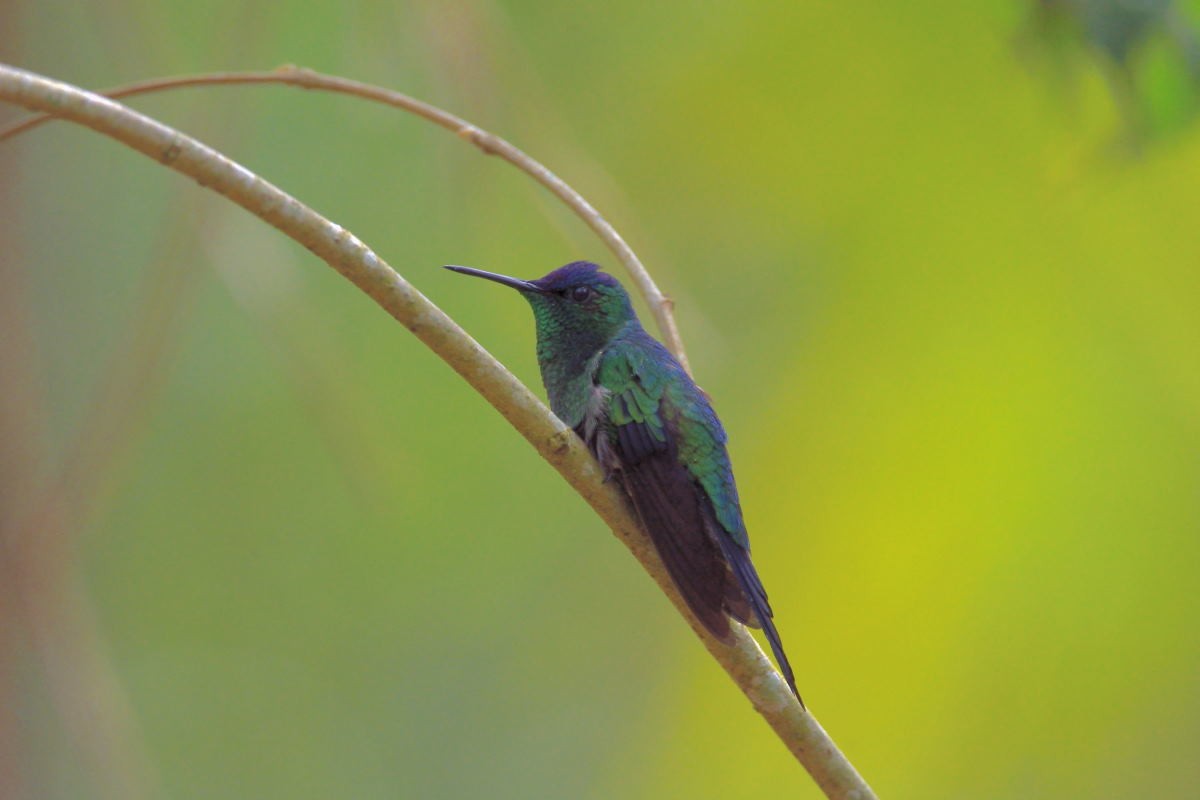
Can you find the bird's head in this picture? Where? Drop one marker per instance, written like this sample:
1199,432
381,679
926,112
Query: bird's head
575,302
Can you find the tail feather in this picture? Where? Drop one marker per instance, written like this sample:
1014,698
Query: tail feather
742,567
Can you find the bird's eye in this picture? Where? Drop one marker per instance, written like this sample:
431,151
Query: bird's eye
581,293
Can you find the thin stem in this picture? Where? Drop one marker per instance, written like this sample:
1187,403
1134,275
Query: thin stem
660,305
744,660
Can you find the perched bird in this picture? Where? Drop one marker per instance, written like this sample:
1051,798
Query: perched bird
653,430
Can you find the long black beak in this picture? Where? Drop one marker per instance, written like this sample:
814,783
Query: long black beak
515,283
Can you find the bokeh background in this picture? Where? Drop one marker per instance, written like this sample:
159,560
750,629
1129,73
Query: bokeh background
938,264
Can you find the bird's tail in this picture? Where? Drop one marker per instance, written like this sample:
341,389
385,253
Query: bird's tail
743,569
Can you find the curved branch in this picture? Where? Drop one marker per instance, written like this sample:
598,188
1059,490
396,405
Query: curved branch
660,305
744,660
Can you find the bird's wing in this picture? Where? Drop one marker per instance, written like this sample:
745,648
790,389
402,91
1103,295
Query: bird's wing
708,463
668,448
642,444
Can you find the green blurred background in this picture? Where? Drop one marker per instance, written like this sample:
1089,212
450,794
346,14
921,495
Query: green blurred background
936,263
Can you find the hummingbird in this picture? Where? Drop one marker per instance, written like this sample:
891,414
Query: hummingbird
653,430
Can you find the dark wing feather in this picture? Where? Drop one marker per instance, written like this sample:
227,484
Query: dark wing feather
636,440
669,503
633,442
665,498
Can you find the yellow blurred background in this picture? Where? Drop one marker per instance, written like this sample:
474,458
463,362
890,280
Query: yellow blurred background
936,263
